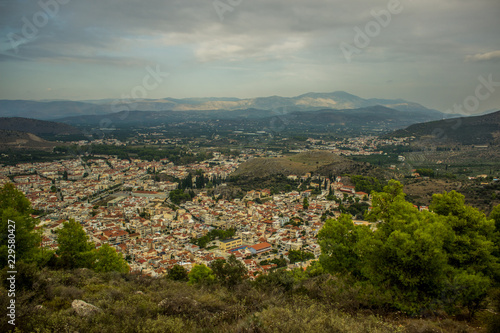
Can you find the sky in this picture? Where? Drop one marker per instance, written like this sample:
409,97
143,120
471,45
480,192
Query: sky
437,53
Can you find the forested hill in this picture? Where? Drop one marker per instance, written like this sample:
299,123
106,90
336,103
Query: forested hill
465,130
38,127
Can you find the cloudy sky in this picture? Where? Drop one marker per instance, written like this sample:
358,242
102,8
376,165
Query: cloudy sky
431,52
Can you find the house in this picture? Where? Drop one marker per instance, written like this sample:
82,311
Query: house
231,243
260,248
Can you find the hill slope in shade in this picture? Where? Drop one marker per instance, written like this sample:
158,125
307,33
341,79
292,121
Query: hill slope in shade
479,130
38,127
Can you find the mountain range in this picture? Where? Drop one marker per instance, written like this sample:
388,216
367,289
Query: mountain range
51,110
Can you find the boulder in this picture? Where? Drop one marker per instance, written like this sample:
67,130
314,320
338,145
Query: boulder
83,308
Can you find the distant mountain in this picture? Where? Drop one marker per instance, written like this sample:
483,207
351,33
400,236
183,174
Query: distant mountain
38,127
23,140
49,110
476,130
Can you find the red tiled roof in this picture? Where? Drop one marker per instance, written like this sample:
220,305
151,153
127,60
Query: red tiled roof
261,246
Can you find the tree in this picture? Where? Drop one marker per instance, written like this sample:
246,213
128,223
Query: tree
495,216
178,196
305,203
178,273
298,256
406,251
230,272
201,274
339,240
472,243
26,245
74,249
444,255
108,260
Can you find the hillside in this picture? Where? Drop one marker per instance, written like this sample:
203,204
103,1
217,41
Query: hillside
318,162
23,140
37,127
479,130
136,303
290,165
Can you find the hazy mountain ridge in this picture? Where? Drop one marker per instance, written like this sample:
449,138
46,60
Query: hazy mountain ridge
49,110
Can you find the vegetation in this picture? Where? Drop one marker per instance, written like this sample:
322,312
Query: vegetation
148,153
213,235
15,207
178,196
298,256
108,260
178,273
74,248
201,274
443,260
230,272
366,184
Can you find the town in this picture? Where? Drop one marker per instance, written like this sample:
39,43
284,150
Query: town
127,203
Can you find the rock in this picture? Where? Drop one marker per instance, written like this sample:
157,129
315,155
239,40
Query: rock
83,308
163,303
180,305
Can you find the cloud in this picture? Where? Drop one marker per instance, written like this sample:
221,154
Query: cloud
261,29
242,48
481,57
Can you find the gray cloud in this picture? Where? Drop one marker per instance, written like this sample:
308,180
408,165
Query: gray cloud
252,28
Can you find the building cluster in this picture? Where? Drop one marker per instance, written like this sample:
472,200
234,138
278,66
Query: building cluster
364,145
152,234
